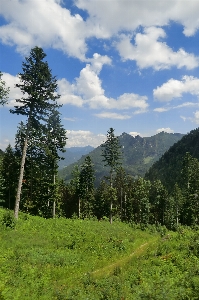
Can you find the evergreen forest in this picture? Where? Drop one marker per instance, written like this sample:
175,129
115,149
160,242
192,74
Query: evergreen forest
123,221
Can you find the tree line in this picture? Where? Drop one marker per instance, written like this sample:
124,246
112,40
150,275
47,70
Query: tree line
29,172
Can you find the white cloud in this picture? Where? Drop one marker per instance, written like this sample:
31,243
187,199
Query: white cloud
81,138
44,23
194,119
134,133
176,88
112,17
87,90
47,23
161,109
67,90
149,51
5,142
14,93
111,115
168,130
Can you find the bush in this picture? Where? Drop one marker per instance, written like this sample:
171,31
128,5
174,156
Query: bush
8,220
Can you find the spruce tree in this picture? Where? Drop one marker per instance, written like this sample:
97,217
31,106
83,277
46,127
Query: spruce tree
54,142
111,151
86,187
40,98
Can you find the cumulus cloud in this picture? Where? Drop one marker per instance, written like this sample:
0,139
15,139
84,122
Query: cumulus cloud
149,51
87,90
5,142
176,88
134,133
167,129
49,23
112,115
129,15
14,93
44,23
194,119
81,138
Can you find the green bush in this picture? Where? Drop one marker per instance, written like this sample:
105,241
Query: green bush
8,219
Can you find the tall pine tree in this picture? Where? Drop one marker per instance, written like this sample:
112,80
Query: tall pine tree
111,151
40,98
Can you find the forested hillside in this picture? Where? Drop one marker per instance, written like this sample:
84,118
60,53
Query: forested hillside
138,154
168,168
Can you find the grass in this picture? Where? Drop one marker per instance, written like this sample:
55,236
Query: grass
86,259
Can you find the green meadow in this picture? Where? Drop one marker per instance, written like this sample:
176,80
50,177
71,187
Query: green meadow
89,259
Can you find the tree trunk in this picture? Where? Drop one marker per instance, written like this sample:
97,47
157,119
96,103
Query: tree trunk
23,159
79,208
21,177
111,216
54,196
111,203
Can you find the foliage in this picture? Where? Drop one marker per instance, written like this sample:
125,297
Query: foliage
8,219
50,257
9,173
4,91
39,105
168,168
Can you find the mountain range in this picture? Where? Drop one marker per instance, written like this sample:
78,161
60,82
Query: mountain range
138,153
72,155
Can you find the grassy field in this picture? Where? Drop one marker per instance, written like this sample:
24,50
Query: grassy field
86,259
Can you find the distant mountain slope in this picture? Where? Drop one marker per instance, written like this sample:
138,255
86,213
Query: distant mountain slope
138,154
169,166
73,154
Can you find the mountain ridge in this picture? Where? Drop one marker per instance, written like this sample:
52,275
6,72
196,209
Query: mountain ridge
168,167
139,153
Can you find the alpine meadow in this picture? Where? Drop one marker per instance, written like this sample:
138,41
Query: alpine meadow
99,150
122,237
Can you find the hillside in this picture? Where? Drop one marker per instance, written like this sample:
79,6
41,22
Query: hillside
138,154
86,259
169,166
73,154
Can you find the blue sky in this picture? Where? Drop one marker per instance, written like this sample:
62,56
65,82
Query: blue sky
130,65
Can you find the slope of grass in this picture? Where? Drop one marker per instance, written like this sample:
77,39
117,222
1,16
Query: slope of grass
87,259
51,256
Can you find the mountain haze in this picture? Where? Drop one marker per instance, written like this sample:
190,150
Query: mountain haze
139,153
72,155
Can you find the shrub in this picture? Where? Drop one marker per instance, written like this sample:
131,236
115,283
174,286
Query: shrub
8,220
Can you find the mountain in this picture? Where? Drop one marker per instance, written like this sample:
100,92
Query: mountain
138,154
168,167
72,155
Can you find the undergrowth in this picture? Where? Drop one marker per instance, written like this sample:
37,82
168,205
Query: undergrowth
86,259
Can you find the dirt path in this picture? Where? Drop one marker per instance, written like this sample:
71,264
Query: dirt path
119,263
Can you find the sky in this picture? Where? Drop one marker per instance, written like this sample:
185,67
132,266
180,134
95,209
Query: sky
132,65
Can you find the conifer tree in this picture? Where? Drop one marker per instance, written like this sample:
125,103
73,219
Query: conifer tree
9,173
39,89
4,91
86,187
190,189
54,142
112,155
